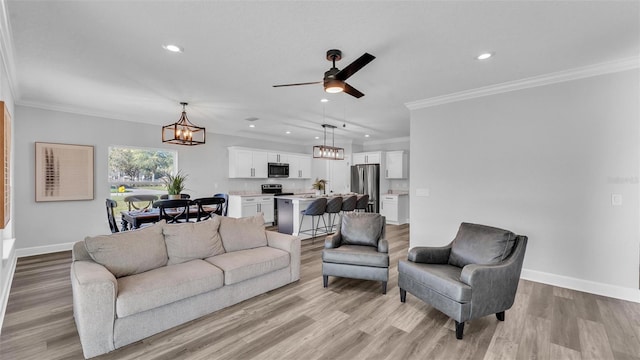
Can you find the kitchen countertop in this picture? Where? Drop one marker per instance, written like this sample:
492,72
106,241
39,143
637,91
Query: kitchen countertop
250,194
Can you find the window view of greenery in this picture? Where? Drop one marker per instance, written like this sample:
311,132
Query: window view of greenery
134,171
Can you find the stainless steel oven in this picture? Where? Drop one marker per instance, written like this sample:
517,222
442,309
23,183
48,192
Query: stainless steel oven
278,170
276,190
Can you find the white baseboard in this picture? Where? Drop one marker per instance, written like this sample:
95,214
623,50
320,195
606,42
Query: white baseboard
4,291
618,292
39,250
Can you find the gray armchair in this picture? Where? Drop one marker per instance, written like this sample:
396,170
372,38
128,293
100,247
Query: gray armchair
357,250
475,275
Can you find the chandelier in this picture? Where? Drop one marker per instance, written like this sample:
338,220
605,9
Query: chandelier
183,132
328,152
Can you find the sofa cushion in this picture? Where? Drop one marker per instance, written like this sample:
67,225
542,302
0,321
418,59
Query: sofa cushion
246,264
480,244
361,229
243,233
441,278
152,289
190,241
129,252
356,255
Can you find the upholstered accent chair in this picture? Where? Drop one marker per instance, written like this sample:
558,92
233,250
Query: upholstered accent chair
475,275
357,249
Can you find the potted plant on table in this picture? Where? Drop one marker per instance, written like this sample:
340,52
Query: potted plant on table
175,184
319,185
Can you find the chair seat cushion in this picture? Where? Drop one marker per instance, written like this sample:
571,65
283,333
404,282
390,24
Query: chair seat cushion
441,278
164,285
356,255
246,264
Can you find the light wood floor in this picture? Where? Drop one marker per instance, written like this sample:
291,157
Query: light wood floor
350,320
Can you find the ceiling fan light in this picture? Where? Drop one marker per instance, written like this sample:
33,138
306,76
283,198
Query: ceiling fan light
333,86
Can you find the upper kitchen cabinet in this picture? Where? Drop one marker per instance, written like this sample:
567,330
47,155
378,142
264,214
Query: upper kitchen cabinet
274,157
396,165
299,166
247,163
367,158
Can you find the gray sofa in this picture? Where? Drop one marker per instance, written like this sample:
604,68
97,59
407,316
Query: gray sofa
134,284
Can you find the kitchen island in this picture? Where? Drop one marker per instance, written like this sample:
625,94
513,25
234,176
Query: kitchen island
290,212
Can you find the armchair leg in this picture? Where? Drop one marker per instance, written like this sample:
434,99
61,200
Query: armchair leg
403,295
500,315
384,288
325,280
459,330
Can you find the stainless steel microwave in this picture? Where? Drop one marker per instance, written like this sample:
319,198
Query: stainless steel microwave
278,170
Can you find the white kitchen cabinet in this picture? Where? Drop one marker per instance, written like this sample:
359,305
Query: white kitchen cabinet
275,157
247,163
396,165
244,206
395,208
299,166
367,158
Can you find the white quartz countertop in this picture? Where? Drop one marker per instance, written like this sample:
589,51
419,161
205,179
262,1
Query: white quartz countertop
395,195
250,195
306,197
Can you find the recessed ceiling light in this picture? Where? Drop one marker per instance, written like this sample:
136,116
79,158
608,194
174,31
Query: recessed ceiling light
484,56
287,132
324,100
173,48
252,125
317,137
366,135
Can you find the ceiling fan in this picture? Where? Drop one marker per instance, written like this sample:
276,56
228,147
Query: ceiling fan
334,79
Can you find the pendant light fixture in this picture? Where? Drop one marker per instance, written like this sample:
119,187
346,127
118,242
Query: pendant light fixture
328,152
183,132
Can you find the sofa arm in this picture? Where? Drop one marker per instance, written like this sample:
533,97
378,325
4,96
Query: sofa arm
383,246
94,291
429,255
290,244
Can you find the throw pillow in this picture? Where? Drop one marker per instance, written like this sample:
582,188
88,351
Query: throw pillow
361,229
129,252
242,233
480,244
190,241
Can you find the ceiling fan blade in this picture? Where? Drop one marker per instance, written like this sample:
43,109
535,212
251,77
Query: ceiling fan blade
305,83
352,91
352,68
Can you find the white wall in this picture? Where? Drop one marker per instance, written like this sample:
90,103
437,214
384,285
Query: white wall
52,226
542,162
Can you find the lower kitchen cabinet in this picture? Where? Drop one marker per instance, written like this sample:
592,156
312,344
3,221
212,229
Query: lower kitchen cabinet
395,208
244,206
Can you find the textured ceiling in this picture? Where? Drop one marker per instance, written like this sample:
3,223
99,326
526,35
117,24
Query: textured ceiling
106,58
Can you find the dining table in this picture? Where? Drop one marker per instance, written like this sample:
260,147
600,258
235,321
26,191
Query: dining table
135,218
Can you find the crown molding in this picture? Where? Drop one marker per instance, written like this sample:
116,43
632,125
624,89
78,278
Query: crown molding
526,83
7,50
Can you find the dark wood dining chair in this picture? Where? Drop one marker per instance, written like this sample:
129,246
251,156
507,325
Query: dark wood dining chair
215,206
111,204
173,211
225,206
141,201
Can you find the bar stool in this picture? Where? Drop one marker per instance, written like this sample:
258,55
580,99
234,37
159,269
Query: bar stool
349,203
362,203
316,208
334,206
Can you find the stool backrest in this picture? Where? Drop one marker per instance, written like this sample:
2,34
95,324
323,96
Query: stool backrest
349,203
362,202
317,207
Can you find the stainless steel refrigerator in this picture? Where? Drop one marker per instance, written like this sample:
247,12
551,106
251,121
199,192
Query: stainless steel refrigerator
365,179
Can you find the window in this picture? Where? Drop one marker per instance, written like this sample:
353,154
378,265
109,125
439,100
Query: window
138,171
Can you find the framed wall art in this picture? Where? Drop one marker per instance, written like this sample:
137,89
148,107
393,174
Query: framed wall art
64,172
